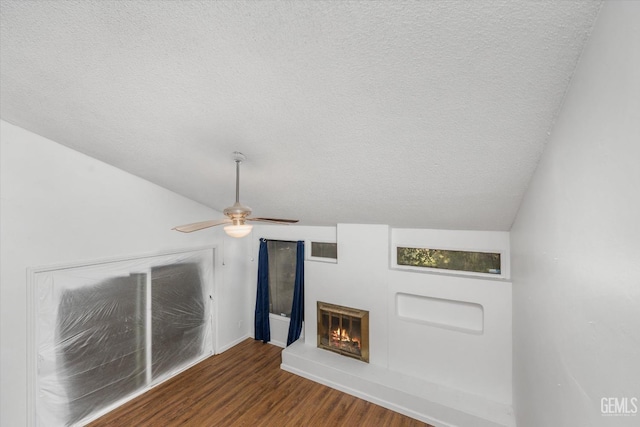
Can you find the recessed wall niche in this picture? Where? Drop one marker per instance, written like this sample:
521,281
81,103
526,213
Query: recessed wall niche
444,313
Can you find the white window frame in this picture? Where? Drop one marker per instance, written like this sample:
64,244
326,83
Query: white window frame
453,240
310,257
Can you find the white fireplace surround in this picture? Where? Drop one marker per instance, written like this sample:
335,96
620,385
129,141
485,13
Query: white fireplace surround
440,344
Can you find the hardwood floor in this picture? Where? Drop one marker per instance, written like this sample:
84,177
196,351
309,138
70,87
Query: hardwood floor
245,386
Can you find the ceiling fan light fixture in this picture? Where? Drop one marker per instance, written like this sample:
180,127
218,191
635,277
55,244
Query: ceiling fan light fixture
238,231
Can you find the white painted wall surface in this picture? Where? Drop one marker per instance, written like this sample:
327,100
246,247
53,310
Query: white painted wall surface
358,280
576,243
59,206
477,363
233,289
463,364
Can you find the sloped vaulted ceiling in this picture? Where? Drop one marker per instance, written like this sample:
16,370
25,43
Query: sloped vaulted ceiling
414,114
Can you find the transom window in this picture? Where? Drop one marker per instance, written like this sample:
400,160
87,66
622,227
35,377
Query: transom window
324,250
476,262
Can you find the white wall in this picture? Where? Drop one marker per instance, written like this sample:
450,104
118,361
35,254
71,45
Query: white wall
434,357
59,206
576,243
234,292
358,280
476,362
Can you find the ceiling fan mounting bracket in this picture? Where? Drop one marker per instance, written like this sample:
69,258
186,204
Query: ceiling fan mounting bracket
239,157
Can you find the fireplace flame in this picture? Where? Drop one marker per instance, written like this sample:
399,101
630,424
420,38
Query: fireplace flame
342,336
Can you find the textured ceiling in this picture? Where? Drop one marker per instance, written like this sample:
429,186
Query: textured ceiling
414,114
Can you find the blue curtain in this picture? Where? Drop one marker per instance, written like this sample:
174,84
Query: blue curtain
261,322
297,310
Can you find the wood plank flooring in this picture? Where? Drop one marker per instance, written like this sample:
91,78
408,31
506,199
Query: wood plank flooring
245,386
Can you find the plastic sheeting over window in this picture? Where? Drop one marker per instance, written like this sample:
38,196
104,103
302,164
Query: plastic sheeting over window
110,330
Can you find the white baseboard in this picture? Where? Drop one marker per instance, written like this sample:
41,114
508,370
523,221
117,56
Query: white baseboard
226,347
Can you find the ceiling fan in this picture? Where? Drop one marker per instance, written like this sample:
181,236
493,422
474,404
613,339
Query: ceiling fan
236,214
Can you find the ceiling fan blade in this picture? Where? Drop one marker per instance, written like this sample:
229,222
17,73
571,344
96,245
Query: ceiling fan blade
188,228
276,220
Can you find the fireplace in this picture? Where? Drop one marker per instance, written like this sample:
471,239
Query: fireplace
344,330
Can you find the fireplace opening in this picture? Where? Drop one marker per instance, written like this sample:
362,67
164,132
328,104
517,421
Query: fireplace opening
344,330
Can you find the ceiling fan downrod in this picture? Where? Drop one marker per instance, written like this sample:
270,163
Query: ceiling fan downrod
238,212
238,157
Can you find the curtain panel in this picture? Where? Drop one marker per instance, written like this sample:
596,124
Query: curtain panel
261,322
297,309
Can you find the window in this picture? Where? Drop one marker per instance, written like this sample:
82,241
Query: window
107,330
476,262
282,276
324,250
